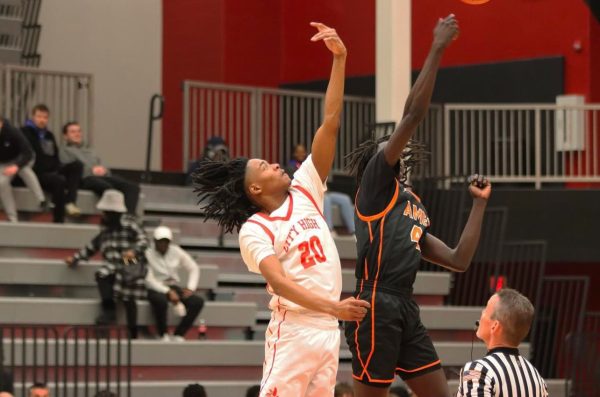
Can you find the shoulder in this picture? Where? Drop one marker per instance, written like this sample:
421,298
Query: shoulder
257,227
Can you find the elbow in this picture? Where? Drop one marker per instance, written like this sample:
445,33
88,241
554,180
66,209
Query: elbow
416,113
332,121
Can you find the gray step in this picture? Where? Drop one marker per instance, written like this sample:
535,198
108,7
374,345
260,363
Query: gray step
225,352
170,199
51,235
229,388
54,272
86,201
426,283
11,55
59,311
452,318
10,25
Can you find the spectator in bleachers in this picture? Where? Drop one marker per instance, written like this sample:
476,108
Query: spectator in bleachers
215,149
343,389
60,180
194,390
39,390
96,177
165,259
16,158
121,240
342,200
253,391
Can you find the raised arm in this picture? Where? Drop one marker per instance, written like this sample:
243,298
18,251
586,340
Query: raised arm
459,259
419,97
324,143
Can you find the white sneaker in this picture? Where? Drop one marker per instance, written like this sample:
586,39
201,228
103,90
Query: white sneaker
333,233
72,210
177,338
165,338
179,309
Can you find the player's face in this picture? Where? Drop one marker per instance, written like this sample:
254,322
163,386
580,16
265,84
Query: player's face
486,323
266,179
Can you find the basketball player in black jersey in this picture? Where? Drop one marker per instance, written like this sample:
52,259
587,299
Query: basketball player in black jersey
392,236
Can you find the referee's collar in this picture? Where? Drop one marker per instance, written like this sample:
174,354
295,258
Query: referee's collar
507,350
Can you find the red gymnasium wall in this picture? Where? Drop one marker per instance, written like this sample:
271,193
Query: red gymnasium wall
266,43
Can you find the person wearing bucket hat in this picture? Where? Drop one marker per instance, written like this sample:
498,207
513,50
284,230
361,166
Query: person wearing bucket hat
121,240
165,259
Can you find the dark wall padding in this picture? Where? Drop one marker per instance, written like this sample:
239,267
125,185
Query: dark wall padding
535,80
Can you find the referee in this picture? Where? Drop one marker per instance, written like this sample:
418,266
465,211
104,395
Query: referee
503,372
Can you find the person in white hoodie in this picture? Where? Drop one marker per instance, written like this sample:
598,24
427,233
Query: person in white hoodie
165,259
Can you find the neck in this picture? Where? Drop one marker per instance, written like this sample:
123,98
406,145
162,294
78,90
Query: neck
493,344
271,203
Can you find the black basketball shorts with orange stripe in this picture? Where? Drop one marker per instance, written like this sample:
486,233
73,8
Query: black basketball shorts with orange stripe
391,340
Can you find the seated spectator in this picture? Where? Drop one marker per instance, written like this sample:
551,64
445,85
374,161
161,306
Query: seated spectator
61,181
344,202
16,158
96,177
39,390
120,240
194,390
162,281
343,389
216,149
253,391
331,198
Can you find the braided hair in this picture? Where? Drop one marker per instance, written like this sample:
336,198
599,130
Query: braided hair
413,154
221,192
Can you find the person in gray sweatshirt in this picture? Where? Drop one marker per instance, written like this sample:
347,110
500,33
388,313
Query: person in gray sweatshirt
96,177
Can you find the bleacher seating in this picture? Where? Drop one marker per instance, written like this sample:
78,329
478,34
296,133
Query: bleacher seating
37,288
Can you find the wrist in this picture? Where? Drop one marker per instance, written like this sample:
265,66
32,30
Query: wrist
340,57
479,201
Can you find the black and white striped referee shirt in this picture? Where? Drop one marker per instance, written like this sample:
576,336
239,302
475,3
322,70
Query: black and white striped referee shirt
501,373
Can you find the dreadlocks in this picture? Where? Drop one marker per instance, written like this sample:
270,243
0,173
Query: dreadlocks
413,154
221,193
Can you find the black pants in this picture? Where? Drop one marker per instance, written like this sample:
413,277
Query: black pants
160,304
105,287
62,185
98,184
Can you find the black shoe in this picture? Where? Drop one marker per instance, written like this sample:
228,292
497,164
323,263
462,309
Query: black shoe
45,205
106,318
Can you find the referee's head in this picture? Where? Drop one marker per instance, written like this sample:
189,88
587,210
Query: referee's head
506,319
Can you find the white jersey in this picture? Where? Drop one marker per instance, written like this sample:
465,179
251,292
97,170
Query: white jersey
297,234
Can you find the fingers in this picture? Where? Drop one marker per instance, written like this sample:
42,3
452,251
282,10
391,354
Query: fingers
320,26
325,34
479,181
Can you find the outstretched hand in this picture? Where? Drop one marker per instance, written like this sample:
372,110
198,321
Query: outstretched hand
351,309
479,187
445,31
330,37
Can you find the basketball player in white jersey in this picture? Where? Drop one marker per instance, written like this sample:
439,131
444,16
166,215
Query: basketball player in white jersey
284,237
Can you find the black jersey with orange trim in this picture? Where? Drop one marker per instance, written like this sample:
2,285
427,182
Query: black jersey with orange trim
390,222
